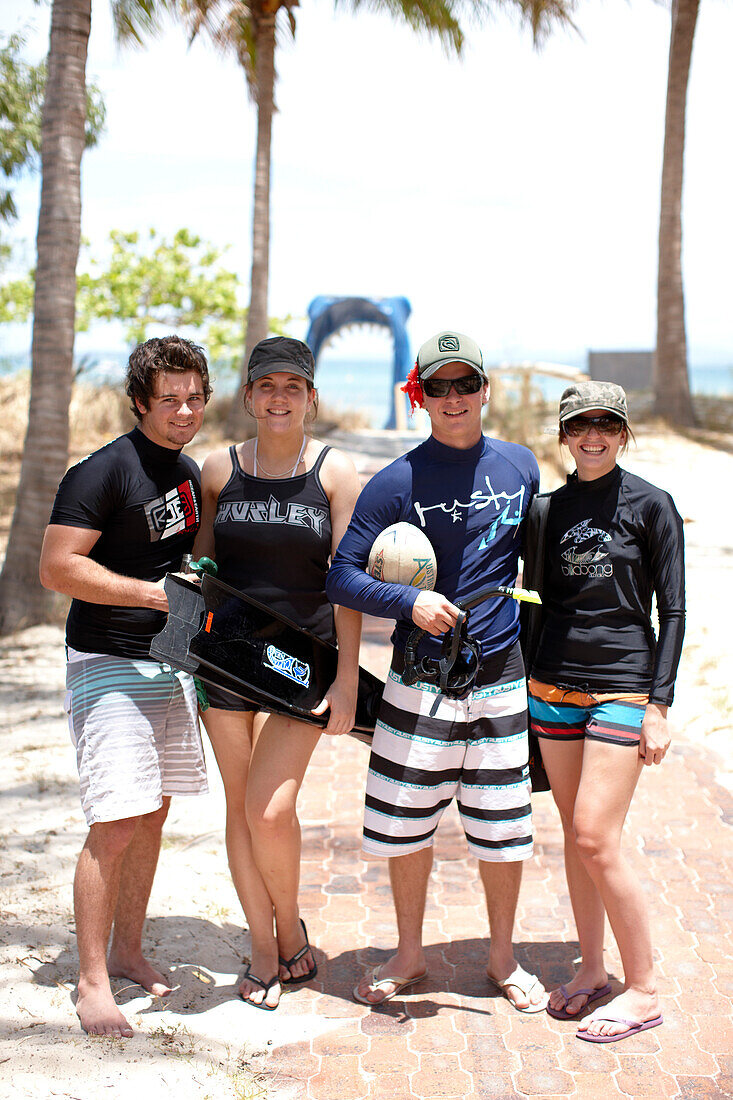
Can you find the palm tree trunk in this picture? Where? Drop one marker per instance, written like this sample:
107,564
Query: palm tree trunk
22,599
671,380
257,325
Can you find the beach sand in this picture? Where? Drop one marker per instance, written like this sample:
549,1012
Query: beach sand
201,1042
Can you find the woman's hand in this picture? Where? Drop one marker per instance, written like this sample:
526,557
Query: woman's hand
655,739
341,698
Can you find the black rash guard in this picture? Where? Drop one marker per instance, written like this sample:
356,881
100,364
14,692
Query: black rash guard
146,501
611,544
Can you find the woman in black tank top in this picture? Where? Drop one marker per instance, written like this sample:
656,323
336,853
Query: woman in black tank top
274,510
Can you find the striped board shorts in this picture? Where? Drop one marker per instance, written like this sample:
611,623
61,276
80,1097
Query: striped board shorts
428,749
134,724
560,714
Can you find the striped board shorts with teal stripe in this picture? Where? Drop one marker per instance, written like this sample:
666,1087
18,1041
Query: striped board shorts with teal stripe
429,749
560,714
134,724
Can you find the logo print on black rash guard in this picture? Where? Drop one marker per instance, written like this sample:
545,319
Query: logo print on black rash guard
172,513
585,555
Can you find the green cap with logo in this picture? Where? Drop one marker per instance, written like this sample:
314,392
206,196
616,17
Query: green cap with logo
449,347
584,396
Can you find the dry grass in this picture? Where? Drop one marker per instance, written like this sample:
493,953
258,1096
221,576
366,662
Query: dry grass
99,414
96,415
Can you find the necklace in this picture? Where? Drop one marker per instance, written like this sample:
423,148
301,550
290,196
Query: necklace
258,465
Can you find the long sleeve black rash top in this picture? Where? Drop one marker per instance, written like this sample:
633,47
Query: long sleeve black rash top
611,544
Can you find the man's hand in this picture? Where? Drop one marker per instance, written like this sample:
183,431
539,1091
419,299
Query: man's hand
156,597
655,738
66,567
434,613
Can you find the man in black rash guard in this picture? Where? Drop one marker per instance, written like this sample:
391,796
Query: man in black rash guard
122,519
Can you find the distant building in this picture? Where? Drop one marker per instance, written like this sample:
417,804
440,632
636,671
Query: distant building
630,369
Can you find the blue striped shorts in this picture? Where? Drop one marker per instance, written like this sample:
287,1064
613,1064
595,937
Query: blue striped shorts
134,724
429,749
564,714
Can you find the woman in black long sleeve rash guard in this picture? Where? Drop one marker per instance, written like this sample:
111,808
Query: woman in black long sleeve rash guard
600,687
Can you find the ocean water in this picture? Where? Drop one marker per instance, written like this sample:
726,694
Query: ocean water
363,385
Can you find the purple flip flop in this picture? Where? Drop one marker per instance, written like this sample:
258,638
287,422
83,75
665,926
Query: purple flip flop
633,1028
591,994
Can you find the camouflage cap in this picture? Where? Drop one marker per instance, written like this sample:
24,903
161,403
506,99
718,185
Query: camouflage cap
449,347
584,396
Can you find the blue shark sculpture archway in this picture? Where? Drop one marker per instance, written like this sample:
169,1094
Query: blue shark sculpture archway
329,314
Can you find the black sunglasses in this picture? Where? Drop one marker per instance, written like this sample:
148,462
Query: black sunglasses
441,387
581,425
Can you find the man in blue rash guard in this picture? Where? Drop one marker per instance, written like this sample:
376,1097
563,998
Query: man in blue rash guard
468,494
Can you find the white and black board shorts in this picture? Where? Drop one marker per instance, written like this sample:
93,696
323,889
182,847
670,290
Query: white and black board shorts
428,749
134,724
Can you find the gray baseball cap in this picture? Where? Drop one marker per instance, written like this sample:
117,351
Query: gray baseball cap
593,395
449,347
281,353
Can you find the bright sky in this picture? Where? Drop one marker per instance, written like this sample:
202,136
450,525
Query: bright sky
513,194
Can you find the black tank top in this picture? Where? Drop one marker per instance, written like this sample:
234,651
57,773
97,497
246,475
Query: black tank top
273,541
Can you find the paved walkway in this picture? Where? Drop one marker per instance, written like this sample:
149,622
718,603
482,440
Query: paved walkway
453,1035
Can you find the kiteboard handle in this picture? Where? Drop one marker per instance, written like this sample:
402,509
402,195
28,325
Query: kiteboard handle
204,565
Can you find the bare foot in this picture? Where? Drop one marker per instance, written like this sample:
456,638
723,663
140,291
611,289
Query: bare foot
406,968
139,971
632,1004
584,979
98,1014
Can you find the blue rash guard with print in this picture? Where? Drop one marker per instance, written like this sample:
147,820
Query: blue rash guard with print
470,504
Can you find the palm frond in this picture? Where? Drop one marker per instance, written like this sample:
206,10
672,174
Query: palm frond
434,17
442,18
137,20
543,16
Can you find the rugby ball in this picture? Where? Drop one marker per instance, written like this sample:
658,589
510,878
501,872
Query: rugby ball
402,554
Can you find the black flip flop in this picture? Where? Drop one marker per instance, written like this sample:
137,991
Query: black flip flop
288,963
267,986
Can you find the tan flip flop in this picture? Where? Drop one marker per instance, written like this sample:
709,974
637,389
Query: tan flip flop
522,981
376,983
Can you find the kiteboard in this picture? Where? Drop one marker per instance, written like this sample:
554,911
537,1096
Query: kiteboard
185,617
234,642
